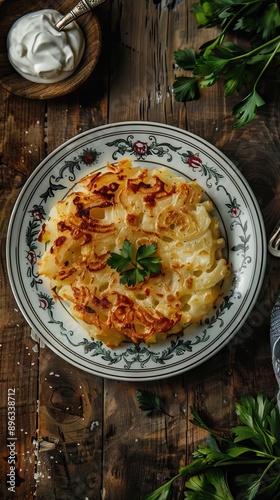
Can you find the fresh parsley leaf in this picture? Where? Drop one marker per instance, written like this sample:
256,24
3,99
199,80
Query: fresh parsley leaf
211,485
206,13
185,58
235,79
228,49
132,277
146,259
148,402
145,251
208,46
199,422
255,415
246,109
211,456
118,262
185,88
132,273
126,250
151,264
208,81
209,65
269,21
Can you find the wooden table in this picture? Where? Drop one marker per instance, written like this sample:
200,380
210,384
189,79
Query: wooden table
60,453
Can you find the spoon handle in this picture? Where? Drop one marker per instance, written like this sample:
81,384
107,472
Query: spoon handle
80,9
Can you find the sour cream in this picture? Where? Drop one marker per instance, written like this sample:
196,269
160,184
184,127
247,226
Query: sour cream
41,53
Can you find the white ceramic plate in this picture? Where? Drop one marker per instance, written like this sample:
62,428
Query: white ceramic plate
154,145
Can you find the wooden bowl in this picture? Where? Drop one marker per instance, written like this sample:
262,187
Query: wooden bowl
14,83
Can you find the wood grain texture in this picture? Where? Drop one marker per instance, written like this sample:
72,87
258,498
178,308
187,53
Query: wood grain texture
21,150
133,443
70,437
19,380
87,437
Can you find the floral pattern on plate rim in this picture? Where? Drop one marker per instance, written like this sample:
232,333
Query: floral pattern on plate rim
140,150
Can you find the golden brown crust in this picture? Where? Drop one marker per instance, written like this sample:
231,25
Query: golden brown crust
142,206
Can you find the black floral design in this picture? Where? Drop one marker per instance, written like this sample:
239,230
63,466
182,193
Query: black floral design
49,193
243,247
140,354
33,229
218,316
88,157
196,164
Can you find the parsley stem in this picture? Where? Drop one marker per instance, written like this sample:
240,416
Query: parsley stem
247,461
267,63
225,463
257,49
268,467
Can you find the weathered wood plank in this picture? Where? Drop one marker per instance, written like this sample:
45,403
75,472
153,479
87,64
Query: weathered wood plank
141,452
21,145
142,66
70,431
18,406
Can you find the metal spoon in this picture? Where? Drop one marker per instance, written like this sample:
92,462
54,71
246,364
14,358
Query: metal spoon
80,9
274,241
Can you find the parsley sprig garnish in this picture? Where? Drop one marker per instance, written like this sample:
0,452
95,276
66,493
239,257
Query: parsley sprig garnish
220,58
245,464
134,270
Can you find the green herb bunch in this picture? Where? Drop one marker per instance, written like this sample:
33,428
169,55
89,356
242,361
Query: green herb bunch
244,465
257,22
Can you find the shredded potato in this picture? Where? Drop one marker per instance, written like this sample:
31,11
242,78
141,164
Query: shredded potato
142,206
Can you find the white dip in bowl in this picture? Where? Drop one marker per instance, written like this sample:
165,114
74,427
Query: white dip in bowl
41,53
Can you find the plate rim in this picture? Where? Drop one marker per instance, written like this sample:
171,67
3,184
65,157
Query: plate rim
98,131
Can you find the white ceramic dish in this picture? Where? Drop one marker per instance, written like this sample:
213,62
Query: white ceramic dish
154,145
